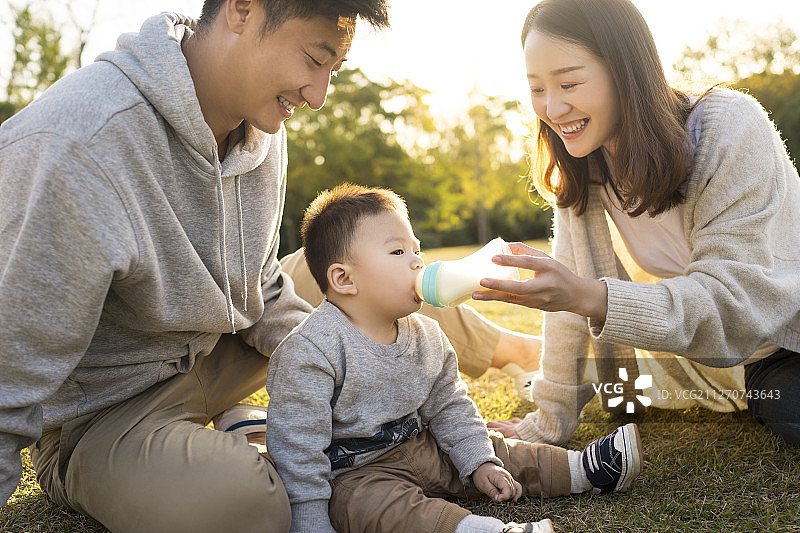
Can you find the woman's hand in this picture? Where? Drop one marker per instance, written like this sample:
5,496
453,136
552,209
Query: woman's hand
496,482
553,286
508,428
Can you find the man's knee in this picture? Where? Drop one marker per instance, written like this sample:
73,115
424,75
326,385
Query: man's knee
256,502
254,499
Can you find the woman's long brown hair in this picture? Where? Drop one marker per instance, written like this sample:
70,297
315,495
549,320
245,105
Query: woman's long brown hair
652,149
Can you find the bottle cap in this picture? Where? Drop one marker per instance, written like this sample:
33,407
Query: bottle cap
430,276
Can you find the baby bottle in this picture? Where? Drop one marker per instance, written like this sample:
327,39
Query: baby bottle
449,283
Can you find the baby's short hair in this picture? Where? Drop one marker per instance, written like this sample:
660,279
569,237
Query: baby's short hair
331,220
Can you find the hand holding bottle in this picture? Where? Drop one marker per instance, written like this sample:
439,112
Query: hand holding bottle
553,286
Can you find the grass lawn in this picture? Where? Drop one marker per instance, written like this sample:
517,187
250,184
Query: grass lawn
703,471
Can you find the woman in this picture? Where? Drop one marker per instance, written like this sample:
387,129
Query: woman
698,192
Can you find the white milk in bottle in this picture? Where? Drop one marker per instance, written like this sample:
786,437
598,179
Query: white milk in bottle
449,283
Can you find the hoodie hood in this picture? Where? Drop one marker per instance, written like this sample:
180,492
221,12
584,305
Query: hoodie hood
153,60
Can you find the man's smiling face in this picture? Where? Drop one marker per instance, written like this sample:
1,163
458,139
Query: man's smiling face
285,69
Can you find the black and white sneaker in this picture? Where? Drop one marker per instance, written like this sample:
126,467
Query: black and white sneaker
543,526
612,462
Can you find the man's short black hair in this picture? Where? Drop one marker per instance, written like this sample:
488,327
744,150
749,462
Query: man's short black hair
375,12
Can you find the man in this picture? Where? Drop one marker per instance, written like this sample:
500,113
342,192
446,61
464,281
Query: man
140,201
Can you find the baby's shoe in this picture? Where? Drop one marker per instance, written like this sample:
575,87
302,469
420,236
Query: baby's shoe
542,526
612,462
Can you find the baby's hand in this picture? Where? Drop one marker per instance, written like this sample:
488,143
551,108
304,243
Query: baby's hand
496,482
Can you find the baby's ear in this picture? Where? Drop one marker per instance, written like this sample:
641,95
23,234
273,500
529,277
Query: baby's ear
339,279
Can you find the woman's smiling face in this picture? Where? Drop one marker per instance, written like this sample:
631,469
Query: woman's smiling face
573,92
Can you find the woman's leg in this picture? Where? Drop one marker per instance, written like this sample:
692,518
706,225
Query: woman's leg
773,389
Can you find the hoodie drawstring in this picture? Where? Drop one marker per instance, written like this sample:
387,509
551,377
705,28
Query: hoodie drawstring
223,245
238,182
222,251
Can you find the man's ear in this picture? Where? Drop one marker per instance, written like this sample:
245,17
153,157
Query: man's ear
340,281
238,13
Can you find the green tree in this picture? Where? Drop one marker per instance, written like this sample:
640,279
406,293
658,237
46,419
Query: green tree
38,57
780,95
83,26
763,61
7,110
478,153
355,138
737,49
460,181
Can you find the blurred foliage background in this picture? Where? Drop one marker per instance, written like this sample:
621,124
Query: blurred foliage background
464,178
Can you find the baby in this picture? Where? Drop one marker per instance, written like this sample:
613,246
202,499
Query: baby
369,423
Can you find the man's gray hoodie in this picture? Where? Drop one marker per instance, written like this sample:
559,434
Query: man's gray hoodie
126,247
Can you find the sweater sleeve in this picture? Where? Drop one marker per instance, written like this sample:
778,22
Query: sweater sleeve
300,383
283,308
558,390
454,420
742,284
64,236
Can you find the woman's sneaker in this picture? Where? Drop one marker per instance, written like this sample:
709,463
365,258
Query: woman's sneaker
612,462
522,380
542,526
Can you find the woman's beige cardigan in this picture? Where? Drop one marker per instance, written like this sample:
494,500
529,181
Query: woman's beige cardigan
741,288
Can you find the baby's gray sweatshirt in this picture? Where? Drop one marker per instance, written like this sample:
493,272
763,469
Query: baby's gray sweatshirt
338,400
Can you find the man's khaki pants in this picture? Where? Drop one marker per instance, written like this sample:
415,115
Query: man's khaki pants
149,464
402,490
